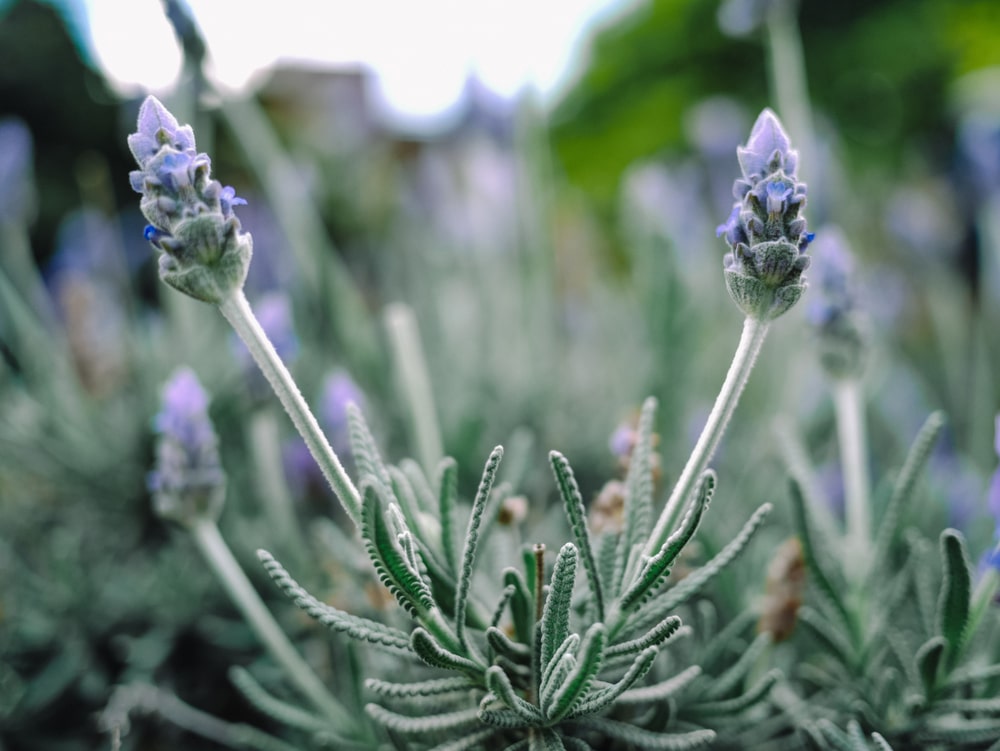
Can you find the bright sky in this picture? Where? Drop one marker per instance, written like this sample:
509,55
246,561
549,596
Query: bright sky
422,51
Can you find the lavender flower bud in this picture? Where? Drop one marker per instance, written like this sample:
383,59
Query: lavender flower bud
204,253
765,231
834,310
188,483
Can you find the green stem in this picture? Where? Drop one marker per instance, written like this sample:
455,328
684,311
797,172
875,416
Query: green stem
751,340
222,562
852,436
237,311
411,370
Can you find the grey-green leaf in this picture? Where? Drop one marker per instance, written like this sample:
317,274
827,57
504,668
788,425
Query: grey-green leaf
956,590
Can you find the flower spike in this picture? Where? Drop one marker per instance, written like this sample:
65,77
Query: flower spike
765,232
191,221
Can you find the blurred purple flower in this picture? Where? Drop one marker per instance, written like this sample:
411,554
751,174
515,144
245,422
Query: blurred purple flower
979,146
768,149
88,282
188,482
17,188
274,313
833,296
339,390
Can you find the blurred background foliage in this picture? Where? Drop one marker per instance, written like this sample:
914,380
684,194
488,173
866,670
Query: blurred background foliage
561,261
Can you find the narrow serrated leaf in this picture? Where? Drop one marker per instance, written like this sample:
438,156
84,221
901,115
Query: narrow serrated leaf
654,569
555,614
666,603
468,742
956,592
521,606
365,451
447,479
577,683
499,683
354,626
432,653
568,647
409,589
652,638
472,540
928,662
728,708
659,692
830,594
604,698
502,645
577,515
435,687
916,458
629,734
448,722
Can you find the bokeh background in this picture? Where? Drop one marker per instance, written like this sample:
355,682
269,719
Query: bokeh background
542,191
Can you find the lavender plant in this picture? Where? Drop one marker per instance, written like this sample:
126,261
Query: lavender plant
540,661
907,656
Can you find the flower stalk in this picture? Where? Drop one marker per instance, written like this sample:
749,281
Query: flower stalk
229,573
751,341
237,311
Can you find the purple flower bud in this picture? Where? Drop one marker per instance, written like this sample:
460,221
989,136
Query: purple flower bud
768,149
833,308
765,231
777,194
188,483
191,215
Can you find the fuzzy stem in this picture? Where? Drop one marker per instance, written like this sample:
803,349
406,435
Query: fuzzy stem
222,562
853,441
237,311
751,340
411,370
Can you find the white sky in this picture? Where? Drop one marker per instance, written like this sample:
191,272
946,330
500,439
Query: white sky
422,51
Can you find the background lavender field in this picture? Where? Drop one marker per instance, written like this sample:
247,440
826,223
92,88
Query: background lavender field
561,260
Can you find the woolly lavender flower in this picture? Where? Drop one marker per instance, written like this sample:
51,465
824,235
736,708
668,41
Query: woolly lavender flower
764,230
834,310
191,219
188,483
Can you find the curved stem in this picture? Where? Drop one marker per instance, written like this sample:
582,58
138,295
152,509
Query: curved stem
237,311
751,340
222,562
